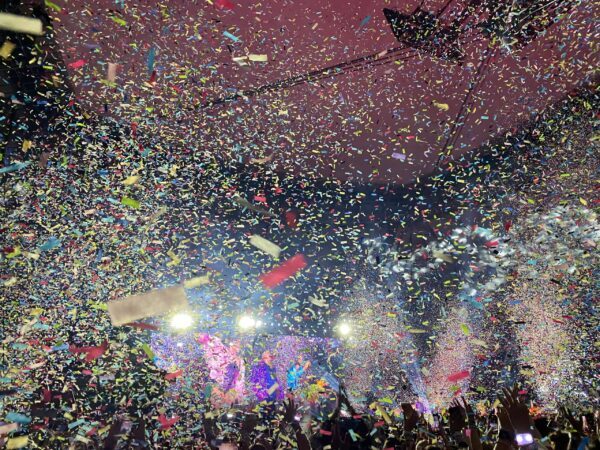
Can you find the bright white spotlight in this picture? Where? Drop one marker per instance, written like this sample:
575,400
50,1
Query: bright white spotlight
344,329
246,323
181,321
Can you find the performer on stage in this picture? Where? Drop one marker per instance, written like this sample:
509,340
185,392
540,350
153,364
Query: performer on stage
264,380
226,370
295,373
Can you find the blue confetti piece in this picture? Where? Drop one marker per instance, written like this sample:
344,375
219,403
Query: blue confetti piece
19,346
364,22
51,243
18,418
231,36
59,348
151,57
76,424
14,167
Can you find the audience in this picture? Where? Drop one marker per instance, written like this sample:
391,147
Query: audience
509,423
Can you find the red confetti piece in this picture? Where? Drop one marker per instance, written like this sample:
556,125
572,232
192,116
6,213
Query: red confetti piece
165,423
279,274
224,4
173,375
142,326
77,64
260,198
291,219
92,352
459,376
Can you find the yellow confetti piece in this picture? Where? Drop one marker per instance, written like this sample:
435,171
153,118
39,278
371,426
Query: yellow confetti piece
11,281
442,106
131,180
479,342
465,329
265,245
18,442
583,201
6,49
175,259
196,281
258,58
21,24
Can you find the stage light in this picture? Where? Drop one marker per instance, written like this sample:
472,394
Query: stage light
344,329
181,321
247,323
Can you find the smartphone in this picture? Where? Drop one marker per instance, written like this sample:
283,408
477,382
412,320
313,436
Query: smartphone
524,439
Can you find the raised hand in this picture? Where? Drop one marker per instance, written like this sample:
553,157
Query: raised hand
516,409
457,416
411,417
576,423
290,410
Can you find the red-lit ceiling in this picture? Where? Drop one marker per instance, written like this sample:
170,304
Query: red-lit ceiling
348,126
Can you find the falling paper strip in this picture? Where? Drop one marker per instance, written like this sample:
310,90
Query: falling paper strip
150,60
258,58
7,49
279,274
21,24
18,442
265,245
153,303
196,281
231,36
173,375
77,64
8,428
130,202
131,180
458,376
442,106
111,74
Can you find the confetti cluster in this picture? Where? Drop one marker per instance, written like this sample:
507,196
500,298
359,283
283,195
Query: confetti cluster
445,213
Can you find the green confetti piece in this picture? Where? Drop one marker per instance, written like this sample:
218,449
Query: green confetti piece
52,5
130,202
148,351
118,21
